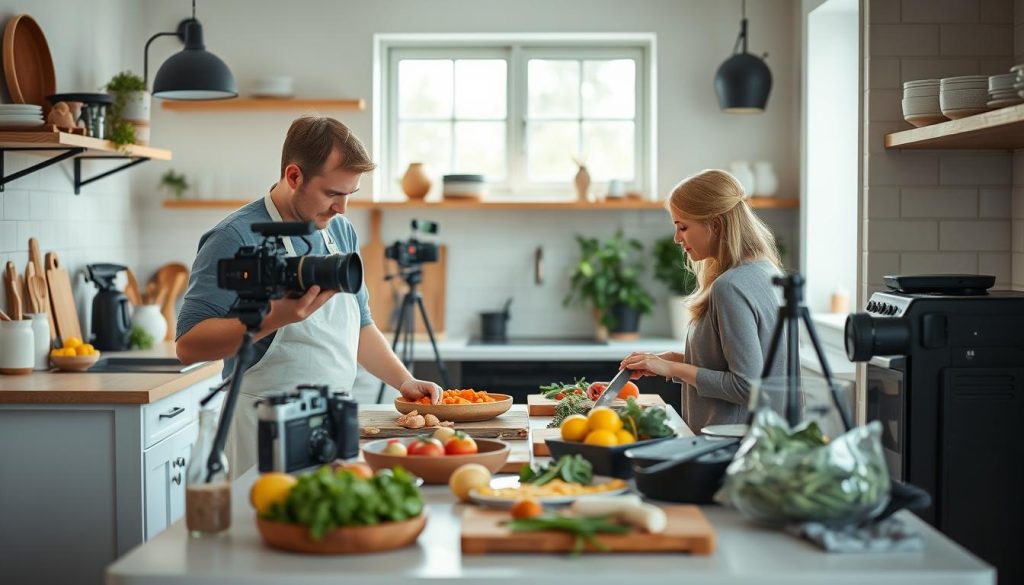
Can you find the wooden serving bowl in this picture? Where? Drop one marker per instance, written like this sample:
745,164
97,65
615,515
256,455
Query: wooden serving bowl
74,363
459,412
492,454
345,540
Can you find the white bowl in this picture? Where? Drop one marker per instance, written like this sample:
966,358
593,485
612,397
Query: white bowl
958,113
964,79
921,91
1001,81
920,82
1006,102
920,120
921,105
963,98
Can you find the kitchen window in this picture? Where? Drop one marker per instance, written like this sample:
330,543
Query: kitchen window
517,110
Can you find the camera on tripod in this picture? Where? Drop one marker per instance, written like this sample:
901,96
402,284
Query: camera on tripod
414,252
265,272
306,427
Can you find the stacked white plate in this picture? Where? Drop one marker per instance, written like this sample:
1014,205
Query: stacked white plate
963,96
1018,71
1001,92
21,115
921,102
464,186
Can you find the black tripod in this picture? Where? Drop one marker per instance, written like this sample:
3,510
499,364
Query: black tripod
413,275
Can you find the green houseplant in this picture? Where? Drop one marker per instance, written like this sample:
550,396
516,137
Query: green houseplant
606,278
130,110
174,182
671,268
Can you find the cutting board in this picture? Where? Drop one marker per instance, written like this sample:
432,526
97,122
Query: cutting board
62,300
484,531
386,295
512,426
537,405
537,438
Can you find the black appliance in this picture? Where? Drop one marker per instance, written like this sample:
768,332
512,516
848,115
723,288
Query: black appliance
687,469
111,319
945,377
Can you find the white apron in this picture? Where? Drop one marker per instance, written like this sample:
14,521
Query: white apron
321,349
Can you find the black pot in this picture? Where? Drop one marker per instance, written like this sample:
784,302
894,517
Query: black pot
610,461
627,319
688,470
492,324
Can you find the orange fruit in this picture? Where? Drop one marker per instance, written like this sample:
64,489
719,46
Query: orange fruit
624,437
526,508
603,418
574,428
602,438
72,343
270,488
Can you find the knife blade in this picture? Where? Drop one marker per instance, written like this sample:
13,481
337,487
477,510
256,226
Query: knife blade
612,391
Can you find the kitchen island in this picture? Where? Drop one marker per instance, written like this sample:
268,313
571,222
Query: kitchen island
744,554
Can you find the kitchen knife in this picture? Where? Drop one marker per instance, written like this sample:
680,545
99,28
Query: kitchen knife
612,391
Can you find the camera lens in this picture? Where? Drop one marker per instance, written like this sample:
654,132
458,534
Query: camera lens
867,336
341,272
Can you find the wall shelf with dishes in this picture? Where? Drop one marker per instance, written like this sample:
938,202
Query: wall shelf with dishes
998,129
264,104
607,205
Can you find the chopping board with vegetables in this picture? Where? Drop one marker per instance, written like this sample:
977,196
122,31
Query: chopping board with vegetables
538,405
511,426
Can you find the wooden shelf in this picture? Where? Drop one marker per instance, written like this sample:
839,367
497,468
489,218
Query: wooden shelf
262,104
623,205
998,129
94,146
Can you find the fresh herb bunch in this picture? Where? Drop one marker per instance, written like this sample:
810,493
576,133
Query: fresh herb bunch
121,134
139,339
582,527
559,390
569,405
121,86
568,468
645,423
325,500
176,182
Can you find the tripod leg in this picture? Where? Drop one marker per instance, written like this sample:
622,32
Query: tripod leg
433,343
394,344
805,314
773,345
793,370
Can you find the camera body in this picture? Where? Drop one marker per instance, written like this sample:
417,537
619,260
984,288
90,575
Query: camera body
413,252
306,427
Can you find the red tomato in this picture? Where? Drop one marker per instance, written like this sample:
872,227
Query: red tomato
426,447
460,444
628,390
594,390
560,396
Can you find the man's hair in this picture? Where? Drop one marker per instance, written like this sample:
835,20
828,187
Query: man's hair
310,141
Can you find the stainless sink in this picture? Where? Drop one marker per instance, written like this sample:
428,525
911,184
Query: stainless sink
141,364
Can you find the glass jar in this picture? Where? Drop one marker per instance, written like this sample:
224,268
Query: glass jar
207,499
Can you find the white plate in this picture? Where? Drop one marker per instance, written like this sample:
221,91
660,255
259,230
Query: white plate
38,122
512,481
19,108
737,430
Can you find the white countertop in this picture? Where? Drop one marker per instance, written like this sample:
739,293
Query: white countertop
459,349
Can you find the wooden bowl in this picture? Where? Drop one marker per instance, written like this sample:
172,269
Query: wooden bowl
74,363
459,412
342,541
28,66
492,454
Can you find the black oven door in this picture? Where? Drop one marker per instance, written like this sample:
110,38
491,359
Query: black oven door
886,403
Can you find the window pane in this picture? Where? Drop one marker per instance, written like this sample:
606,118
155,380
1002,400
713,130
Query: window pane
426,142
610,150
553,88
424,88
550,149
480,148
609,89
480,88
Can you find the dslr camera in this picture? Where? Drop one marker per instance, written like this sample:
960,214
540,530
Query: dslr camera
413,252
306,427
264,272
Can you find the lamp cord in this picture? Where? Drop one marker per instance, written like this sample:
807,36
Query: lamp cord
194,8
740,38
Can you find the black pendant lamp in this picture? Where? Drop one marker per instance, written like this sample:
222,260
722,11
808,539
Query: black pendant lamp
743,81
193,73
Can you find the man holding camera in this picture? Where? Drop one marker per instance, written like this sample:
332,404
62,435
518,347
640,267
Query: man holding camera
316,338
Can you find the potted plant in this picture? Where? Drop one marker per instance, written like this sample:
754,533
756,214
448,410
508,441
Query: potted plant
129,114
174,182
607,279
671,269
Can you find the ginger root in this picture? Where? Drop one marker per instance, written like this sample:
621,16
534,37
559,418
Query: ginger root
412,420
431,420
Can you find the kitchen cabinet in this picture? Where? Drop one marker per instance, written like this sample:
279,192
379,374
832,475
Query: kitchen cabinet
165,465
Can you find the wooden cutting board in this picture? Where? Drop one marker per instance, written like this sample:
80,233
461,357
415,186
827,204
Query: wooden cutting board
62,300
537,438
386,295
484,531
537,405
512,426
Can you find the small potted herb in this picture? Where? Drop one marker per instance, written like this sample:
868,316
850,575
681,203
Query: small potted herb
174,182
129,114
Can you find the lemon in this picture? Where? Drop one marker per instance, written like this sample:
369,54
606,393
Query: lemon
84,349
467,477
624,437
603,419
72,342
601,438
574,428
270,488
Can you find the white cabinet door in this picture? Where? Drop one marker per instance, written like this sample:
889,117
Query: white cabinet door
165,465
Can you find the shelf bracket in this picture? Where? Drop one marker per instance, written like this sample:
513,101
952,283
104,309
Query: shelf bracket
67,153
79,182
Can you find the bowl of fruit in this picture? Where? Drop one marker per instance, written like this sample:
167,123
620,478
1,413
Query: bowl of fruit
435,457
74,356
466,405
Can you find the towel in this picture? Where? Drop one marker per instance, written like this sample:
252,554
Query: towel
889,535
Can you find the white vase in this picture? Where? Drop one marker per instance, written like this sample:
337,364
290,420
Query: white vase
151,320
41,339
16,347
744,174
766,183
136,107
679,315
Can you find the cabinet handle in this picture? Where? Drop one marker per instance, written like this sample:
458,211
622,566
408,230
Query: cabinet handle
176,479
172,412
180,462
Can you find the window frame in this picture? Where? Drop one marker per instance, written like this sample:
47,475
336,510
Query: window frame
517,50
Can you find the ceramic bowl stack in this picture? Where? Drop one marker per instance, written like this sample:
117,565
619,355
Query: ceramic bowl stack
21,115
921,102
1018,71
1001,91
963,96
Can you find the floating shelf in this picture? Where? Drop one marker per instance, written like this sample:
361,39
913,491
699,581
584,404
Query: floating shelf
262,104
998,129
611,205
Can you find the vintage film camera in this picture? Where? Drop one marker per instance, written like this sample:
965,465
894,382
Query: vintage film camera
306,427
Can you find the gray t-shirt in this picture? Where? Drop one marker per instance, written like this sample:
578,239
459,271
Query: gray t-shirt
729,343
205,300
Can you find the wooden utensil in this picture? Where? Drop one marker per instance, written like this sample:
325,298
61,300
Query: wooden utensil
4,317
28,66
36,258
11,287
37,288
131,290
174,291
149,295
62,299
31,303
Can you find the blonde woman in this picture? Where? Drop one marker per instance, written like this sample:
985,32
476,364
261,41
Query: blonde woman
733,310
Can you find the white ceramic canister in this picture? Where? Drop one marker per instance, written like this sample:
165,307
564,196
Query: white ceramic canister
16,347
41,340
151,320
743,173
766,183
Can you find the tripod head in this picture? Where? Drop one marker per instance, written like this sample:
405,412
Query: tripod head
792,293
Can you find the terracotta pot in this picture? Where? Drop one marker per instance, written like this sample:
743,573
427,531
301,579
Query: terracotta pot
416,182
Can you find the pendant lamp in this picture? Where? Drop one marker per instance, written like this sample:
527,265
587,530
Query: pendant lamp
743,81
193,73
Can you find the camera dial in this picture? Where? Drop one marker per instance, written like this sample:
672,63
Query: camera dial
322,447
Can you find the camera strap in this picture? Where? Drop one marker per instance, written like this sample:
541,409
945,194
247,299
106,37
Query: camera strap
275,215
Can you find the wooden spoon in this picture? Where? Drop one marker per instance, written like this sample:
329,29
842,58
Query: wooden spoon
37,287
131,290
11,284
31,302
4,317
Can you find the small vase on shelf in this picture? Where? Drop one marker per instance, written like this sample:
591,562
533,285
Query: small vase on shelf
416,182
744,174
582,182
766,184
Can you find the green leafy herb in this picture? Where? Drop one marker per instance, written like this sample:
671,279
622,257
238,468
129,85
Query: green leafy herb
569,405
551,391
568,468
582,527
645,423
139,339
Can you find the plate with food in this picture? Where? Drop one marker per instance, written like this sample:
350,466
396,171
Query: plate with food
465,405
560,482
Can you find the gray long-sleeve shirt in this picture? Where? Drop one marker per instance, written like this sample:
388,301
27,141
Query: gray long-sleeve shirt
729,343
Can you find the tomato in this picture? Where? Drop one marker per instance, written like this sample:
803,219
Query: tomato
630,389
426,447
560,396
526,508
460,444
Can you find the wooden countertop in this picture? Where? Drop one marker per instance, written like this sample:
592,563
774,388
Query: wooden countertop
103,388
